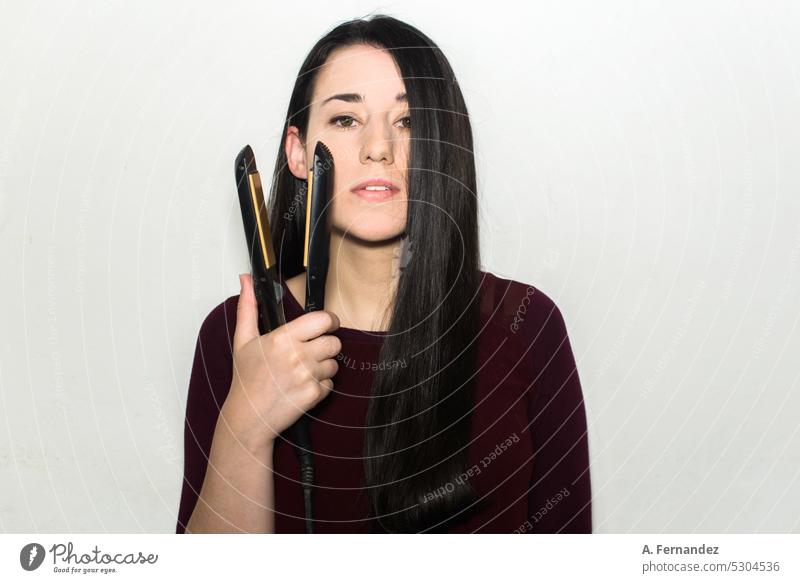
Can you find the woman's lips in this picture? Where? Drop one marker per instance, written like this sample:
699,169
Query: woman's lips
381,194
375,195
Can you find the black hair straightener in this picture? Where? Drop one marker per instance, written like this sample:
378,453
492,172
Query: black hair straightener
317,241
266,283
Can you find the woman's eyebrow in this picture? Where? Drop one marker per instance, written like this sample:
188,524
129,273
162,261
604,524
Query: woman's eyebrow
357,98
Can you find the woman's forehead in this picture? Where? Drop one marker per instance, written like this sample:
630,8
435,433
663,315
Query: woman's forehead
366,72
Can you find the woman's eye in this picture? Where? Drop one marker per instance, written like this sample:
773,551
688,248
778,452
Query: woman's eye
347,122
344,118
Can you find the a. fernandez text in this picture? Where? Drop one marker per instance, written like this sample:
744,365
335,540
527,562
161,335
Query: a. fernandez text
65,554
664,550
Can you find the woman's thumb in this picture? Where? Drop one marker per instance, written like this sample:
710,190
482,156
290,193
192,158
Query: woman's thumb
246,313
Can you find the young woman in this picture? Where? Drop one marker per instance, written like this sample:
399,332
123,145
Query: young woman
443,398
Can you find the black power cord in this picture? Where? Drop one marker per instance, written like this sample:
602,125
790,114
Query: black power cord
302,439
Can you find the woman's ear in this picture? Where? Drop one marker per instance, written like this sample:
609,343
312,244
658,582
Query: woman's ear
296,153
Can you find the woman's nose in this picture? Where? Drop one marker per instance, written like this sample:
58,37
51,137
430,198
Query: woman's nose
378,143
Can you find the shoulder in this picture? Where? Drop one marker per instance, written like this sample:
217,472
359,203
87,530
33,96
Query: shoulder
519,307
220,324
530,321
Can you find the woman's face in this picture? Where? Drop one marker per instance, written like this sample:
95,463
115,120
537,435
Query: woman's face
359,111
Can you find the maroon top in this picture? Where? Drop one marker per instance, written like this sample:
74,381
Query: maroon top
529,450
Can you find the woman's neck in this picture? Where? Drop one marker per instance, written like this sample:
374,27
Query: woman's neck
361,283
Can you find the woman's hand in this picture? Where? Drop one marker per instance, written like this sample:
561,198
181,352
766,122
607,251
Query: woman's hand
279,376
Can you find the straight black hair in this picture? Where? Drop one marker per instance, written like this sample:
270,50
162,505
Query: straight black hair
418,422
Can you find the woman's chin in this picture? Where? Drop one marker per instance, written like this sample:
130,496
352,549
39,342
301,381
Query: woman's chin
374,232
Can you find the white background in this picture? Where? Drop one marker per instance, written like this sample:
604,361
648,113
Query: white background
638,162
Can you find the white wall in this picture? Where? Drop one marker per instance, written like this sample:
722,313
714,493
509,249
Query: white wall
639,163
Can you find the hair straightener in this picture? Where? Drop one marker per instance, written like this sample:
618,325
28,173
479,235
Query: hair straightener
266,283
317,241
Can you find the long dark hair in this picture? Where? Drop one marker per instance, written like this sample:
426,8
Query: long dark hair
418,421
